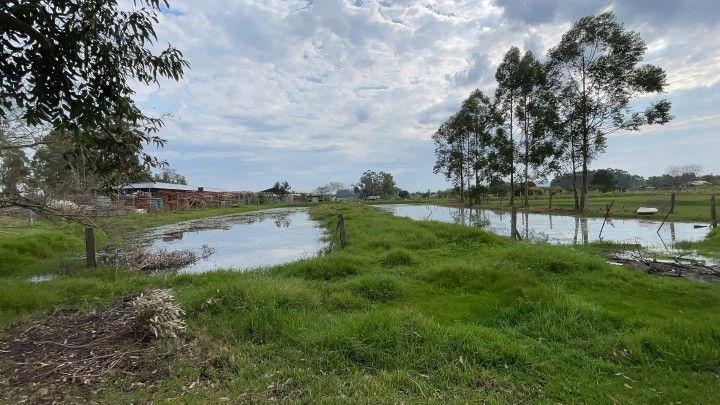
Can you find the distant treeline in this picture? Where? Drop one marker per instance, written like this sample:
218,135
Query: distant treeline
628,181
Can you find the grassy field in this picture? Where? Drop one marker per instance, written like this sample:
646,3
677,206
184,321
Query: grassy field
690,205
407,312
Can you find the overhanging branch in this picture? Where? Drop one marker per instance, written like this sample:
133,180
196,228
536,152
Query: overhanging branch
13,23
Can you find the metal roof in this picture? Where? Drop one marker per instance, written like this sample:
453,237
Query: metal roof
161,186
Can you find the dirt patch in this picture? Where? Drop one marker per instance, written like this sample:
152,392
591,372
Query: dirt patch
41,362
669,268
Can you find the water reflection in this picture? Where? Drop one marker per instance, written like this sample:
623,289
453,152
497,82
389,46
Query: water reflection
244,241
559,229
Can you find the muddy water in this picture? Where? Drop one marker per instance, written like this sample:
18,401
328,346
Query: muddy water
244,241
559,229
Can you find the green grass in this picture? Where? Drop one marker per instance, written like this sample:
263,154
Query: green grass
690,205
709,246
407,312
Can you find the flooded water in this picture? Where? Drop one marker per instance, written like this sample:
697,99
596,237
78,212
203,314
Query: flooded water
243,241
559,229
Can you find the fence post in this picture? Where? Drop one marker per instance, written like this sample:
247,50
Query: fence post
341,230
713,213
672,203
90,259
607,214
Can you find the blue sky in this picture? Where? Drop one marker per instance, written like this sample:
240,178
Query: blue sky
313,91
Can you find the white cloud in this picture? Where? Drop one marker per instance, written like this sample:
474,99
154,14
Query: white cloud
361,80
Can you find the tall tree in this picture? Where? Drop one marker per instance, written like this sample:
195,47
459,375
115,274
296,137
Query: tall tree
14,171
375,183
598,60
605,180
450,155
507,97
530,112
168,175
281,188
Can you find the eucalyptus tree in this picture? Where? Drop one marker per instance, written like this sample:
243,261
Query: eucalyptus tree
547,140
507,97
529,110
450,155
465,144
70,66
485,122
599,62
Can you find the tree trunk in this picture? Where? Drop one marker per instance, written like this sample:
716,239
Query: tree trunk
512,157
527,153
584,195
462,184
573,156
585,146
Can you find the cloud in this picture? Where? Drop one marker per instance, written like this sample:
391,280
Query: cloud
320,90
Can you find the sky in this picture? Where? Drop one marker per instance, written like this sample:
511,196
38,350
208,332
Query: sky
313,91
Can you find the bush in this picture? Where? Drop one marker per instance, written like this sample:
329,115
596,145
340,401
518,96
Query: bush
397,257
379,289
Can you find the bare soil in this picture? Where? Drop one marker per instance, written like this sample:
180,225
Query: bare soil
75,353
670,268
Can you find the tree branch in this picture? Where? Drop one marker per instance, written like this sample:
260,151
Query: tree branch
13,23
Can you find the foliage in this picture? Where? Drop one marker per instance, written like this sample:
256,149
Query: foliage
470,145
596,68
372,183
330,189
280,188
14,172
168,175
404,194
605,180
678,176
538,112
625,180
509,82
71,65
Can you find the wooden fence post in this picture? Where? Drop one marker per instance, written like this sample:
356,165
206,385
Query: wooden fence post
713,213
513,222
607,214
672,203
341,230
90,259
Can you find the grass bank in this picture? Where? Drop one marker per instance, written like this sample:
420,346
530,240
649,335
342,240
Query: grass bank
690,206
412,312
710,246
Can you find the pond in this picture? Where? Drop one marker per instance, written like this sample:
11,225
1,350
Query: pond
243,241
559,229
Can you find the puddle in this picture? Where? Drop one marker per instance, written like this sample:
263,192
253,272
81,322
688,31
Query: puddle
42,277
560,229
242,241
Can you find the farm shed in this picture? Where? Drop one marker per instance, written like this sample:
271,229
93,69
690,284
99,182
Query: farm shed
155,196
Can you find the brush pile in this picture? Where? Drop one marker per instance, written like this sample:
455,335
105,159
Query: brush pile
85,349
141,259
